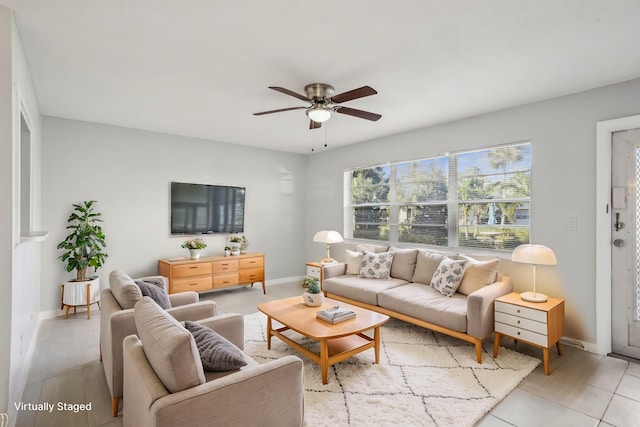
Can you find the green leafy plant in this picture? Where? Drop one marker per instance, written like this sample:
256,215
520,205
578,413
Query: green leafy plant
312,284
235,239
195,243
84,245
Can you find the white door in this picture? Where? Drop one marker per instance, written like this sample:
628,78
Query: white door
625,243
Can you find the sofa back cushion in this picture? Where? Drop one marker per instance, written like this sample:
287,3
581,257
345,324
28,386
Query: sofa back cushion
376,249
478,274
169,347
124,289
427,263
404,263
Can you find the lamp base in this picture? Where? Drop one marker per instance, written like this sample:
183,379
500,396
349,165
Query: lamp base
533,297
328,261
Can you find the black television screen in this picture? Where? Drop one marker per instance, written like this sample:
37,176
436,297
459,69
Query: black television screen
201,208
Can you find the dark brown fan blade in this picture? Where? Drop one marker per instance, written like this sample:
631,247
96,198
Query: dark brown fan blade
358,113
314,125
290,93
278,111
353,94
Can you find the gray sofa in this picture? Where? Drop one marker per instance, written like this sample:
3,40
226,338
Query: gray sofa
407,294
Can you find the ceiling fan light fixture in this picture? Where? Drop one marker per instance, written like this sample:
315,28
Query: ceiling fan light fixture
319,113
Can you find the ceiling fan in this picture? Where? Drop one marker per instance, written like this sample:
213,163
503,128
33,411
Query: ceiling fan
324,103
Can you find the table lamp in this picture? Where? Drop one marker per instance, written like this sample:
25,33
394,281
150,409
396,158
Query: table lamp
536,255
328,237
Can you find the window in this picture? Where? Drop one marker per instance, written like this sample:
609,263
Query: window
477,199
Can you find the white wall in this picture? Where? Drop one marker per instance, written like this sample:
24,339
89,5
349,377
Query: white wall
128,172
562,132
19,262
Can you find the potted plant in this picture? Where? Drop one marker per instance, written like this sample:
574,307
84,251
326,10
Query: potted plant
244,244
227,251
84,245
195,246
234,243
313,296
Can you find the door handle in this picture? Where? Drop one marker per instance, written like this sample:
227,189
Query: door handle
618,225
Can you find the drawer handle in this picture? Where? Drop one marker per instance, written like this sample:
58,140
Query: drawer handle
193,267
518,332
518,311
225,282
518,322
193,284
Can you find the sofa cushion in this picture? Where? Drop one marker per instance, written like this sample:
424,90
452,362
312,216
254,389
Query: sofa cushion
169,347
404,263
376,249
154,289
354,287
477,274
124,289
425,303
376,265
216,353
353,261
427,263
448,276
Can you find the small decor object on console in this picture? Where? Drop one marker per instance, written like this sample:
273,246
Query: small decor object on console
235,242
195,246
335,314
313,297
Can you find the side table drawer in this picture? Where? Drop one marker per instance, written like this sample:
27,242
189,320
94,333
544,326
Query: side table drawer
529,313
196,284
196,269
522,334
313,271
521,322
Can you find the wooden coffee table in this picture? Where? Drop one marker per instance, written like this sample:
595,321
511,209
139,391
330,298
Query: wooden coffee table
338,341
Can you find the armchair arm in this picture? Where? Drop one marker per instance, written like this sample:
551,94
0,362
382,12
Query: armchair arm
193,312
480,316
230,326
120,325
184,298
333,270
240,398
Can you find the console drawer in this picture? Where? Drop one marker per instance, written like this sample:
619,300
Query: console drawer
223,280
196,269
250,276
225,266
254,262
197,284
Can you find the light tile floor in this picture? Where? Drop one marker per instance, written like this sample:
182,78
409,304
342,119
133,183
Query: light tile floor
584,389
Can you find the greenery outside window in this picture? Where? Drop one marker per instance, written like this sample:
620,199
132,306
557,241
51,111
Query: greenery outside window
478,199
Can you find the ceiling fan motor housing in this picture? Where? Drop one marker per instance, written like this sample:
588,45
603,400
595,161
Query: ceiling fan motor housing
319,91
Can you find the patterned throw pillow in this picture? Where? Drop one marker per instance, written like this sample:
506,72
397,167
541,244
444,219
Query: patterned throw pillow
448,276
376,265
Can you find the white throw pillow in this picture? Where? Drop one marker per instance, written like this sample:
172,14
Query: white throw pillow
354,261
448,276
376,266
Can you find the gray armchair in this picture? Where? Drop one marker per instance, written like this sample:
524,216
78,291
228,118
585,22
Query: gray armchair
116,322
165,385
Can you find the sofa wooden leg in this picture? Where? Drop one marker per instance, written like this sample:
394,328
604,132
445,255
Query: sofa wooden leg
114,406
479,351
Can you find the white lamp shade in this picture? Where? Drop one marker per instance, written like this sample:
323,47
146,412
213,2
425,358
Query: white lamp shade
328,236
534,254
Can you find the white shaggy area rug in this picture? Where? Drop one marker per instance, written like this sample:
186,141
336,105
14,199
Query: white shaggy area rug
423,379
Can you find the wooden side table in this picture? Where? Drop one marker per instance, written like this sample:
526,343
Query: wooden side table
76,294
314,269
539,324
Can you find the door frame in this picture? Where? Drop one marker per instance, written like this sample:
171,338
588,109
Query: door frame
604,132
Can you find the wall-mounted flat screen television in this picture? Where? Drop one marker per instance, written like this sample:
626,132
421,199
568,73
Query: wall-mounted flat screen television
203,209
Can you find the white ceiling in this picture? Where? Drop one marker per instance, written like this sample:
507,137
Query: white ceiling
200,68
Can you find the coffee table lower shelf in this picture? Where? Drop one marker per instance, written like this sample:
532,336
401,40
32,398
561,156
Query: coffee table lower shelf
332,350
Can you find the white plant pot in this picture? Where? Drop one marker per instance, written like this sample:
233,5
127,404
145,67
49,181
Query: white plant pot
313,300
195,253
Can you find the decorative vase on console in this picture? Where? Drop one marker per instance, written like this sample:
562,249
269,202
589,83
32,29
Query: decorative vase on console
195,247
234,243
313,297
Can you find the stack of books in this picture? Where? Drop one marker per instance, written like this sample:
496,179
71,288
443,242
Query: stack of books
335,314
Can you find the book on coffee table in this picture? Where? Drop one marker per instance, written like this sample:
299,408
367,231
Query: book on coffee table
335,314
